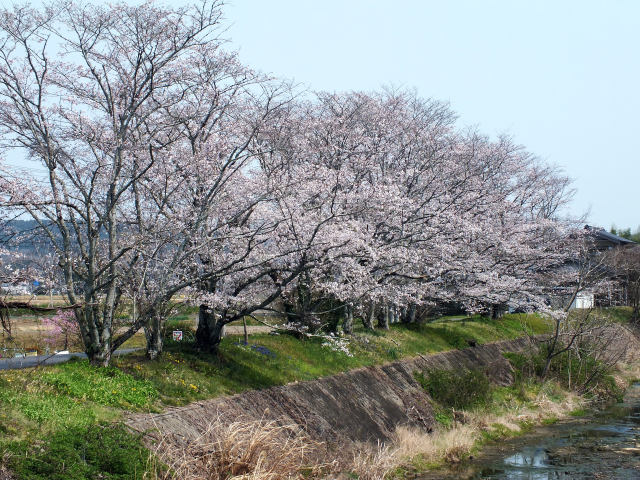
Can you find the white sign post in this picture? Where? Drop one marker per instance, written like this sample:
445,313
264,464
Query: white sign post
177,335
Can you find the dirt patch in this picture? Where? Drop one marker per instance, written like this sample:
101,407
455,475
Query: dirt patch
239,329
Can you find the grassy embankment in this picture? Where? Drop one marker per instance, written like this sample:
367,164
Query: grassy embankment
46,413
492,414
64,421
471,413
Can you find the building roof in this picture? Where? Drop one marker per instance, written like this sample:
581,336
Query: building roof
606,239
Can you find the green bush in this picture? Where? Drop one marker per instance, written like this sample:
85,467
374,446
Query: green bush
574,369
457,389
107,452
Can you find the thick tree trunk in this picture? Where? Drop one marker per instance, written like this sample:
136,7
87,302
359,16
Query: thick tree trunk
95,336
410,317
383,320
367,320
153,333
497,312
347,322
403,315
99,355
210,330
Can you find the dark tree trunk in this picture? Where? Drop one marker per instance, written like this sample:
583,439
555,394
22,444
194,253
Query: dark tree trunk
367,320
244,328
210,330
153,333
411,313
347,322
551,350
383,320
497,311
99,355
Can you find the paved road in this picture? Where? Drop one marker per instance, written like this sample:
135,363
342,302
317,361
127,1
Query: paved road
27,362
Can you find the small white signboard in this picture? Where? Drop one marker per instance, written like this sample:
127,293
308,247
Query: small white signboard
177,335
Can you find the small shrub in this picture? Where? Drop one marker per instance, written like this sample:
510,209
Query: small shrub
575,369
80,453
444,418
460,390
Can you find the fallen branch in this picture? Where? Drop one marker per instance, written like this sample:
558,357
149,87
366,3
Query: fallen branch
4,305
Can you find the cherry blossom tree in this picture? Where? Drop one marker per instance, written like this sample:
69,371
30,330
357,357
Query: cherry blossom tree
78,86
62,329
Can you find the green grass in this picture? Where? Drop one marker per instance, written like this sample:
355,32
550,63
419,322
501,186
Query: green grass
578,412
183,375
616,314
49,414
43,411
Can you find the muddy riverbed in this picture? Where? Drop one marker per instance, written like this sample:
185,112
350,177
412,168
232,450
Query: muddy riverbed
603,446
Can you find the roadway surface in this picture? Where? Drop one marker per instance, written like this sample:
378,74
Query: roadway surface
15,363
52,359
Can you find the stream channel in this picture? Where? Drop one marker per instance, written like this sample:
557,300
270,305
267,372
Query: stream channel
605,445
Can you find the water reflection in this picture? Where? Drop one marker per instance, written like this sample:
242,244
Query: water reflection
606,446
528,457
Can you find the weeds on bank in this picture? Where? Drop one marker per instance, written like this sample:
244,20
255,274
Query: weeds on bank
471,412
458,390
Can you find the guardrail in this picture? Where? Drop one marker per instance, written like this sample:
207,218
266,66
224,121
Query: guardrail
8,352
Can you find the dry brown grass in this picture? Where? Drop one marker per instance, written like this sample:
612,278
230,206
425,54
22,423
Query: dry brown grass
260,450
627,373
39,300
449,445
371,462
5,474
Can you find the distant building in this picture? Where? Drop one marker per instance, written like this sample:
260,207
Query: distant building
603,240
15,289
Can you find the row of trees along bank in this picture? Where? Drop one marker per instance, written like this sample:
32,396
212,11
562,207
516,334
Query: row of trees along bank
159,165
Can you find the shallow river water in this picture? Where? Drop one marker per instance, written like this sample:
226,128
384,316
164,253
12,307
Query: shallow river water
604,446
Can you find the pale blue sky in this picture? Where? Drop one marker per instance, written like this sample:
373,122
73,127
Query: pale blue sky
562,77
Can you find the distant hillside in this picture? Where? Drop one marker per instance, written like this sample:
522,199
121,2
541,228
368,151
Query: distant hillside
25,236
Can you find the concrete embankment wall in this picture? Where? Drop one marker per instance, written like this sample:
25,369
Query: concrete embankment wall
366,404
